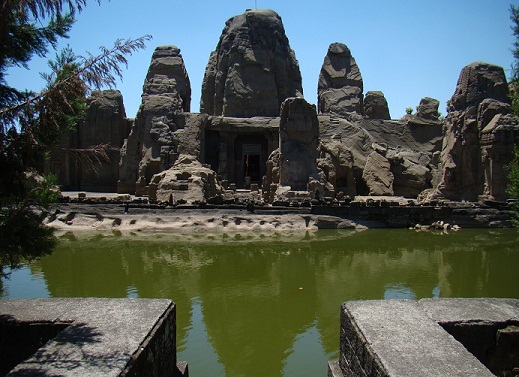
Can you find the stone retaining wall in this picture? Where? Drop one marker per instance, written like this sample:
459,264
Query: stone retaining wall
430,337
89,337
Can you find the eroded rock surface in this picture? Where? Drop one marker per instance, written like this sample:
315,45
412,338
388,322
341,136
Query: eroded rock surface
153,144
298,141
340,82
105,124
468,170
187,181
253,69
377,175
375,106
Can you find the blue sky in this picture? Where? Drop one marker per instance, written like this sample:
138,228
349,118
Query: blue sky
407,49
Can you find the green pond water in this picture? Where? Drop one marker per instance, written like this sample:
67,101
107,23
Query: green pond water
255,304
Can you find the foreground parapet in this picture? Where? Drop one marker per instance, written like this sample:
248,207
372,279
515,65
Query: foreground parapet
430,337
89,337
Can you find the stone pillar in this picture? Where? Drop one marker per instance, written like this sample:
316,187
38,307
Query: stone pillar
298,141
222,160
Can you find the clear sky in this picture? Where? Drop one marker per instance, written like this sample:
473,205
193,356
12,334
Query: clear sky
408,49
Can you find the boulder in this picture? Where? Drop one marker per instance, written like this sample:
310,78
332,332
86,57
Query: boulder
253,69
428,109
160,125
377,175
412,172
187,181
340,84
375,106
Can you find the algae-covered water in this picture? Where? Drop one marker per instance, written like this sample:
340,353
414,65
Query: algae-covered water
255,304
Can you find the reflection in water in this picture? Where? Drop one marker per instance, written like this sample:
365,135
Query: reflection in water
252,305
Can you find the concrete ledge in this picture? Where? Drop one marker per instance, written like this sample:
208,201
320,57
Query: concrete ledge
410,338
90,337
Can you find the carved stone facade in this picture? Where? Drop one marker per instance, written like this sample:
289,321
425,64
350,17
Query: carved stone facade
479,136
105,124
255,131
298,142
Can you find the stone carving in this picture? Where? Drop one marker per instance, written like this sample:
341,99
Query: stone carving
105,123
336,165
340,83
375,106
409,148
253,69
256,130
152,145
187,181
298,142
481,93
498,139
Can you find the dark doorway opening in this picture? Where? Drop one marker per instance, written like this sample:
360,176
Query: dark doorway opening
251,168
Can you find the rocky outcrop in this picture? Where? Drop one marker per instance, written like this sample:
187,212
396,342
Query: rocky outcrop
340,83
427,110
375,106
298,142
335,164
409,148
377,175
105,124
153,143
498,138
412,172
187,181
293,167
253,69
481,95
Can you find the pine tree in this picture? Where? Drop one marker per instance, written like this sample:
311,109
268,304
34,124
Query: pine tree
31,123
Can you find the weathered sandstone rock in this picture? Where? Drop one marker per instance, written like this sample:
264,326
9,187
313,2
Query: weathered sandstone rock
186,181
253,69
410,148
375,106
298,142
152,145
377,175
336,163
428,109
480,95
105,124
340,83
412,172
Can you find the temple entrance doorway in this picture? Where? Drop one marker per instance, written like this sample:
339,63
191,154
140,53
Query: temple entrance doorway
251,164
251,160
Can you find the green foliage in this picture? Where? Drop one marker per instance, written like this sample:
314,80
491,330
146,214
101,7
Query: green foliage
31,124
44,192
409,110
23,236
514,92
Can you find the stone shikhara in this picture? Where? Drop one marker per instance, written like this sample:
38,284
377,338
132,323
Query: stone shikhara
255,130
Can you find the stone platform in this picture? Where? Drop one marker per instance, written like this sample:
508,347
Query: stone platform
429,337
89,337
